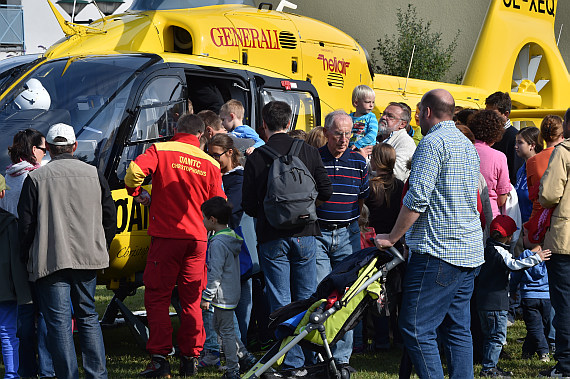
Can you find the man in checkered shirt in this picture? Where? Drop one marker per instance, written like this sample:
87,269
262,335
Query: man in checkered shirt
443,232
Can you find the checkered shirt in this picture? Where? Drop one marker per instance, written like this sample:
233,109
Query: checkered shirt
443,189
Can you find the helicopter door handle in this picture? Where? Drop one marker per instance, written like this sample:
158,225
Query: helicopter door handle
240,87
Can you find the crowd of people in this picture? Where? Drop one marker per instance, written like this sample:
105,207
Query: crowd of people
477,207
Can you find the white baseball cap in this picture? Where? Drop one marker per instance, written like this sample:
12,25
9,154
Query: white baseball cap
60,130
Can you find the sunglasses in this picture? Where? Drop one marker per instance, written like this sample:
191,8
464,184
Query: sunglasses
216,155
42,149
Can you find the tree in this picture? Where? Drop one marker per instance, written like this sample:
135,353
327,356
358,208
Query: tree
431,59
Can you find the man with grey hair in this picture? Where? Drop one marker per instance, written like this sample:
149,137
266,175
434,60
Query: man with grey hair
338,217
393,122
67,222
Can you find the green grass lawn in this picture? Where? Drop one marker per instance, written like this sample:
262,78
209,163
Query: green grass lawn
125,359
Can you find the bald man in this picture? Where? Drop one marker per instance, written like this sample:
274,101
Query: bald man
443,232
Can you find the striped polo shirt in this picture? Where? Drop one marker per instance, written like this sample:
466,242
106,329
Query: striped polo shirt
349,176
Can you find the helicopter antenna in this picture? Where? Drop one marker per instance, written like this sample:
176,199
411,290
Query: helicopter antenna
559,34
101,13
409,69
73,11
285,4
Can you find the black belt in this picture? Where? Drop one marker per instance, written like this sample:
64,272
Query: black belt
330,226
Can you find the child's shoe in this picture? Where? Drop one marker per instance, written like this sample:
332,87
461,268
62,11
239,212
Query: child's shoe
247,362
210,358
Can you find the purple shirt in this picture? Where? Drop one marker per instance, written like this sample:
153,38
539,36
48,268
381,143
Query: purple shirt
495,171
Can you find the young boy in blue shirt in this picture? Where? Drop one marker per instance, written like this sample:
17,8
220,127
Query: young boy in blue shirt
364,122
492,290
535,302
232,114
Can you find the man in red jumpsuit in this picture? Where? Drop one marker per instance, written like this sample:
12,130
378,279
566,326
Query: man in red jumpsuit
183,177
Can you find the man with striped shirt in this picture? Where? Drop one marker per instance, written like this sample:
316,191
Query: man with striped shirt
338,217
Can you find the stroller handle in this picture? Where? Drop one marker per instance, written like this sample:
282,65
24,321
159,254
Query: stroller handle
398,258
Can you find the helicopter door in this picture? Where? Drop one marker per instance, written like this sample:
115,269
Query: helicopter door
160,105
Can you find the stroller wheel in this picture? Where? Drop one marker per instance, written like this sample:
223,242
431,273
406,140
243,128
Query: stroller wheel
344,373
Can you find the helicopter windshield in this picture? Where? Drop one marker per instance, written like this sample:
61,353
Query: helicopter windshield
88,93
155,5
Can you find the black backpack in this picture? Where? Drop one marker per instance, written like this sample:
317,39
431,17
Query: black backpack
291,190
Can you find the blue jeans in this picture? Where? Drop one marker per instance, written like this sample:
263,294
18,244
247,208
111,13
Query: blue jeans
32,332
290,274
436,295
55,292
494,330
8,326
243,310
536,316
211,342
559,283
332,247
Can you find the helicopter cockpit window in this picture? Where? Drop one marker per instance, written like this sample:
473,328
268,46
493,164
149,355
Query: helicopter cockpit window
89,93
160,106
150,5
301,103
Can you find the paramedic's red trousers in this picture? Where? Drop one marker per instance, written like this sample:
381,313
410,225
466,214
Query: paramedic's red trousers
170,262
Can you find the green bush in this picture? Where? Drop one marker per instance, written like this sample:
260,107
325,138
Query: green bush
431,61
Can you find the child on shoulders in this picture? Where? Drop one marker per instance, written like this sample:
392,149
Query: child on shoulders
365,124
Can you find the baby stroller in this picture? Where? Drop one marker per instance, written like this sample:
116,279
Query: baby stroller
336,307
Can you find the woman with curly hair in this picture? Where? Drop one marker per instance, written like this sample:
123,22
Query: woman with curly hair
551,133
488,128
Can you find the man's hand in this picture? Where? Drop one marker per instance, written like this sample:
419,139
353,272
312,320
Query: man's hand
382,241
205,305
365,151
545,254
143,198
249,150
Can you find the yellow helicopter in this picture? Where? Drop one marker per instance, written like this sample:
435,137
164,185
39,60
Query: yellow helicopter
123,80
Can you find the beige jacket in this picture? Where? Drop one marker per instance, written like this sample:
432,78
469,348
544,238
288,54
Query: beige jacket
555,192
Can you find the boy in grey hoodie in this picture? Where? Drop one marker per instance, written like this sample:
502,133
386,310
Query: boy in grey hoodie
223,288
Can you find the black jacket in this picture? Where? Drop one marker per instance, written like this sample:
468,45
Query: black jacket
255,186
233,182
507,146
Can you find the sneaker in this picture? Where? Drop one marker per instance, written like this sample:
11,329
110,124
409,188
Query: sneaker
210,358
496,372
553,373
157,368
231,375
188,366
247,363
544,357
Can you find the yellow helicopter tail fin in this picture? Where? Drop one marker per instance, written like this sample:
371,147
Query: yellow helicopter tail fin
533,71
